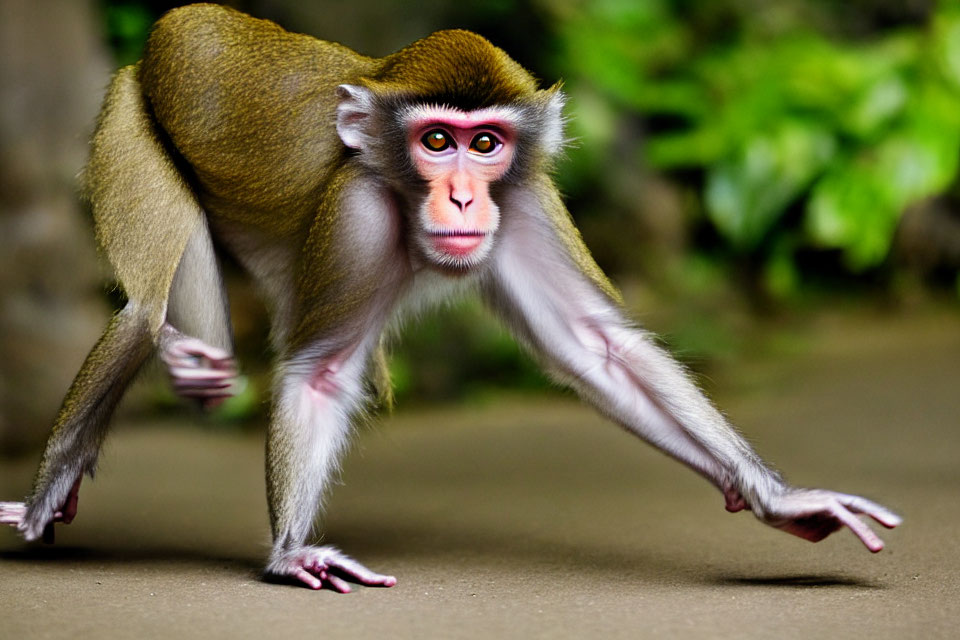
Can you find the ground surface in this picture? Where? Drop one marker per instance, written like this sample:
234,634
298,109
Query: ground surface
529,519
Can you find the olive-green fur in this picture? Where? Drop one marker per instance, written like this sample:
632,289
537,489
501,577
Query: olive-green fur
251,109
453,67
328,297
143,209
82,421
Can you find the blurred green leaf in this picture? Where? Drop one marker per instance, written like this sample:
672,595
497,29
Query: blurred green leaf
747,195
878,105
698,147
946,41
781,277
852,208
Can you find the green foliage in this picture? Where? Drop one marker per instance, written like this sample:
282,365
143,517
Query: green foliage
128,23
802,140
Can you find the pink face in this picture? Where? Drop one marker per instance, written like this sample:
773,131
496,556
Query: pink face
459,154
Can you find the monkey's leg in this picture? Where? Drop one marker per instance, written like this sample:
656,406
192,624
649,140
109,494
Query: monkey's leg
314,402
200,365
155,235
81,425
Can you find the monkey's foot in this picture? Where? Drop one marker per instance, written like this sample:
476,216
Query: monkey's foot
326,567
14,514
11,513
197,370
32,521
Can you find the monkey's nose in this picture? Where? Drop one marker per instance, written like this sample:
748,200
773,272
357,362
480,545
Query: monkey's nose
461,199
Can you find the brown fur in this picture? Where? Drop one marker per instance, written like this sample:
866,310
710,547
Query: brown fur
453,67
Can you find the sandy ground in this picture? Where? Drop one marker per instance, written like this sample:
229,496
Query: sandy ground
534,518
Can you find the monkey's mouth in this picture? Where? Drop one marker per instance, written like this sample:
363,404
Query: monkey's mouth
457,243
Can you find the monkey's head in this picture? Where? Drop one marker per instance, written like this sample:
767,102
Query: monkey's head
443,121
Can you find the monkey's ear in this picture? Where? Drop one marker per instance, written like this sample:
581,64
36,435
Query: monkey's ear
355,116
552,121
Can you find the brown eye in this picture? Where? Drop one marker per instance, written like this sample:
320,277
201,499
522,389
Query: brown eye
435,140
484,143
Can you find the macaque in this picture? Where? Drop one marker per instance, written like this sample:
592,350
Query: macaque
354,191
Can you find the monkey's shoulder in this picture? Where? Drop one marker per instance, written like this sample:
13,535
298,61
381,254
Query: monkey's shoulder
201,46
244,101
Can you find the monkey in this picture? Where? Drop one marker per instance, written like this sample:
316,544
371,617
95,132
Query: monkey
356,191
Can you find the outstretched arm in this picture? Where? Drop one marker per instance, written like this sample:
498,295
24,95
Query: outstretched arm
544,286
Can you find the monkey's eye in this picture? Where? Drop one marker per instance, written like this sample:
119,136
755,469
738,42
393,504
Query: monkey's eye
484,143
436,140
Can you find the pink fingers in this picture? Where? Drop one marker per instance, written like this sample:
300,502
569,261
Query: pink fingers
339,585
326,568
861,505
308,578
365,576
195,348
184,375
860,529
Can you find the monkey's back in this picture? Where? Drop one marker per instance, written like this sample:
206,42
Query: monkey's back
251,108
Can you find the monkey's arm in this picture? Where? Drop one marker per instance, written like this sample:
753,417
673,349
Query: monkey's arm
541,288
346,293
318,391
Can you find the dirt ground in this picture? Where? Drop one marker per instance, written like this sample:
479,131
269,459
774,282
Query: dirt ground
527,518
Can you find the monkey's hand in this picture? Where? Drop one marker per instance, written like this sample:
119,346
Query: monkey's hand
813,514
198,370
326,567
